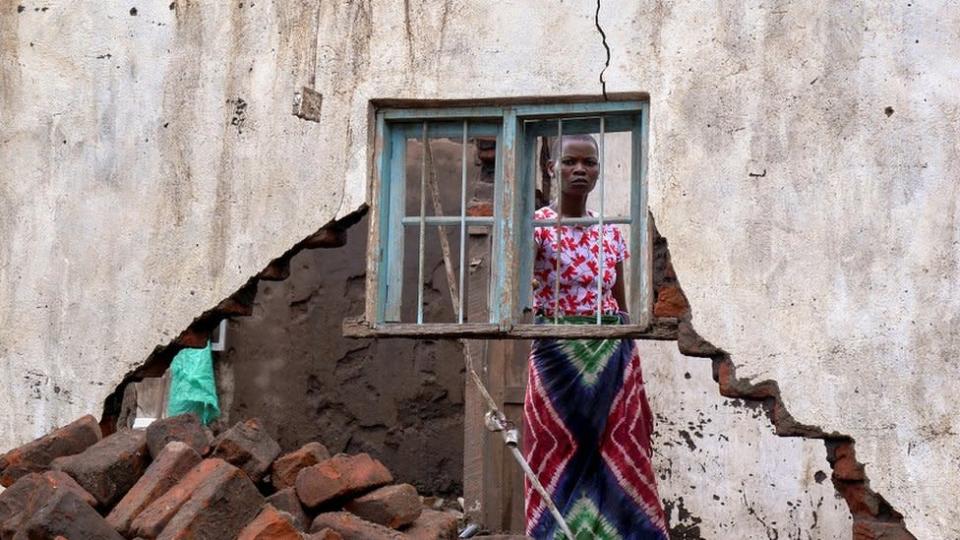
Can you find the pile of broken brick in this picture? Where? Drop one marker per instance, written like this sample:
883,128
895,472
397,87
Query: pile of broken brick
176,480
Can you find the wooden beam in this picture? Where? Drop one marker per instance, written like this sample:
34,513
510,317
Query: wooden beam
661,329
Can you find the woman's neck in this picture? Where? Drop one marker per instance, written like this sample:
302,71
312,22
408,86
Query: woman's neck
572,206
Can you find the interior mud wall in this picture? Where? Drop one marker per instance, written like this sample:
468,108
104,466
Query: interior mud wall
803,163
399,400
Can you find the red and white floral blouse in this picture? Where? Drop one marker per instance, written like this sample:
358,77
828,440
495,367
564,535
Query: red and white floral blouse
579,266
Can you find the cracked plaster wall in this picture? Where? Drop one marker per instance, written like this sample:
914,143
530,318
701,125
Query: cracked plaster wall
150,166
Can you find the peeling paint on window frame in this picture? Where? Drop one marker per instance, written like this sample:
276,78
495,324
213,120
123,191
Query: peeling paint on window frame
512,221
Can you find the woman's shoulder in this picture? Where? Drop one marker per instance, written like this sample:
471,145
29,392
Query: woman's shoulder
544,213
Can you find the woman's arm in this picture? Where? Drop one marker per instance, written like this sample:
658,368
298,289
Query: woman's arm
619,292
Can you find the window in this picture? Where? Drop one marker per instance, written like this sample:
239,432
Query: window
466,182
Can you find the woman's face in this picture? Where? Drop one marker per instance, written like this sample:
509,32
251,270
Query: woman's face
579,167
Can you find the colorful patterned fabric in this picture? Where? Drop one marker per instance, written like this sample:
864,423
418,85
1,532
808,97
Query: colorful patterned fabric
587,438
579,266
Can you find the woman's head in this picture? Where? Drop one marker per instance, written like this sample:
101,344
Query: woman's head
579,164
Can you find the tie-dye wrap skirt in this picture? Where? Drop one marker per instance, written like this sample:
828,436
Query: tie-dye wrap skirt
587,438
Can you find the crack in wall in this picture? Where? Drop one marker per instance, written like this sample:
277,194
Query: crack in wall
873,517
238,304
603,37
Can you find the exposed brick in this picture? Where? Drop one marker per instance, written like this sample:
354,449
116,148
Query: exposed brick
325,534
36,456
185,428
29,493
286,500
846,467
109,468
880,530
433,525
286,467
65,514
480,209
248,446
171,464
391,506
671,302
219,508
339,476
269,525
151,521
352,527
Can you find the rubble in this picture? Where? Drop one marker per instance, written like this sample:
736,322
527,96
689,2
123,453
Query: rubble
185,428
171,464
109,468
287,467
352,527
73,484
338,477
286,500
37,455
270,524
391,506
248,446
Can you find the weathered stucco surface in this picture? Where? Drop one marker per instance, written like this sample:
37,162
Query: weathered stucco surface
805,164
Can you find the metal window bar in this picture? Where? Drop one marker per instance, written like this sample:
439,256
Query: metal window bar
423,224
463,218
600,250
558,174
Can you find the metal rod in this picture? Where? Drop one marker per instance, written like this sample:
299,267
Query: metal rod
510,435
485,220
463,217
455,220
600,247
558,175
441,230
580,221
423,224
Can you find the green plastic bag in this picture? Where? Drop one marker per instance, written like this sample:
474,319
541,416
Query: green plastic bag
192,386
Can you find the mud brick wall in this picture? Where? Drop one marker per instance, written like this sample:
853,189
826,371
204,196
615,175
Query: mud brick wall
399,400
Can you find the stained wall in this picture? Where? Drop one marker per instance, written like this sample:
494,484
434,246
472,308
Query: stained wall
804,166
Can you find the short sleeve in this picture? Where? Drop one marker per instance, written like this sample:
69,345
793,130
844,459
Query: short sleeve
619,245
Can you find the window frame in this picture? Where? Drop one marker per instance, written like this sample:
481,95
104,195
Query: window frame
512,223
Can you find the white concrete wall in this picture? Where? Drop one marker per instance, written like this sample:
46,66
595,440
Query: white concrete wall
137,191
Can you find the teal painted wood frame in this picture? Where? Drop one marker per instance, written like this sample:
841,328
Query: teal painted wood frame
515,180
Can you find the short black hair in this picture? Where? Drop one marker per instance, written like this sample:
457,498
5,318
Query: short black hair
555,148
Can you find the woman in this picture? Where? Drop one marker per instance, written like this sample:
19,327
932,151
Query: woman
587,420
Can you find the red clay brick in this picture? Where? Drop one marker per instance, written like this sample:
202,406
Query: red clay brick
390,506
286,500
846,467
151,521
269,525
670,302
433,525
339,476
29,493
325,534
65,514
219,508
36,456
352,527
171,465
248,446
185,428
286,467
109,468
